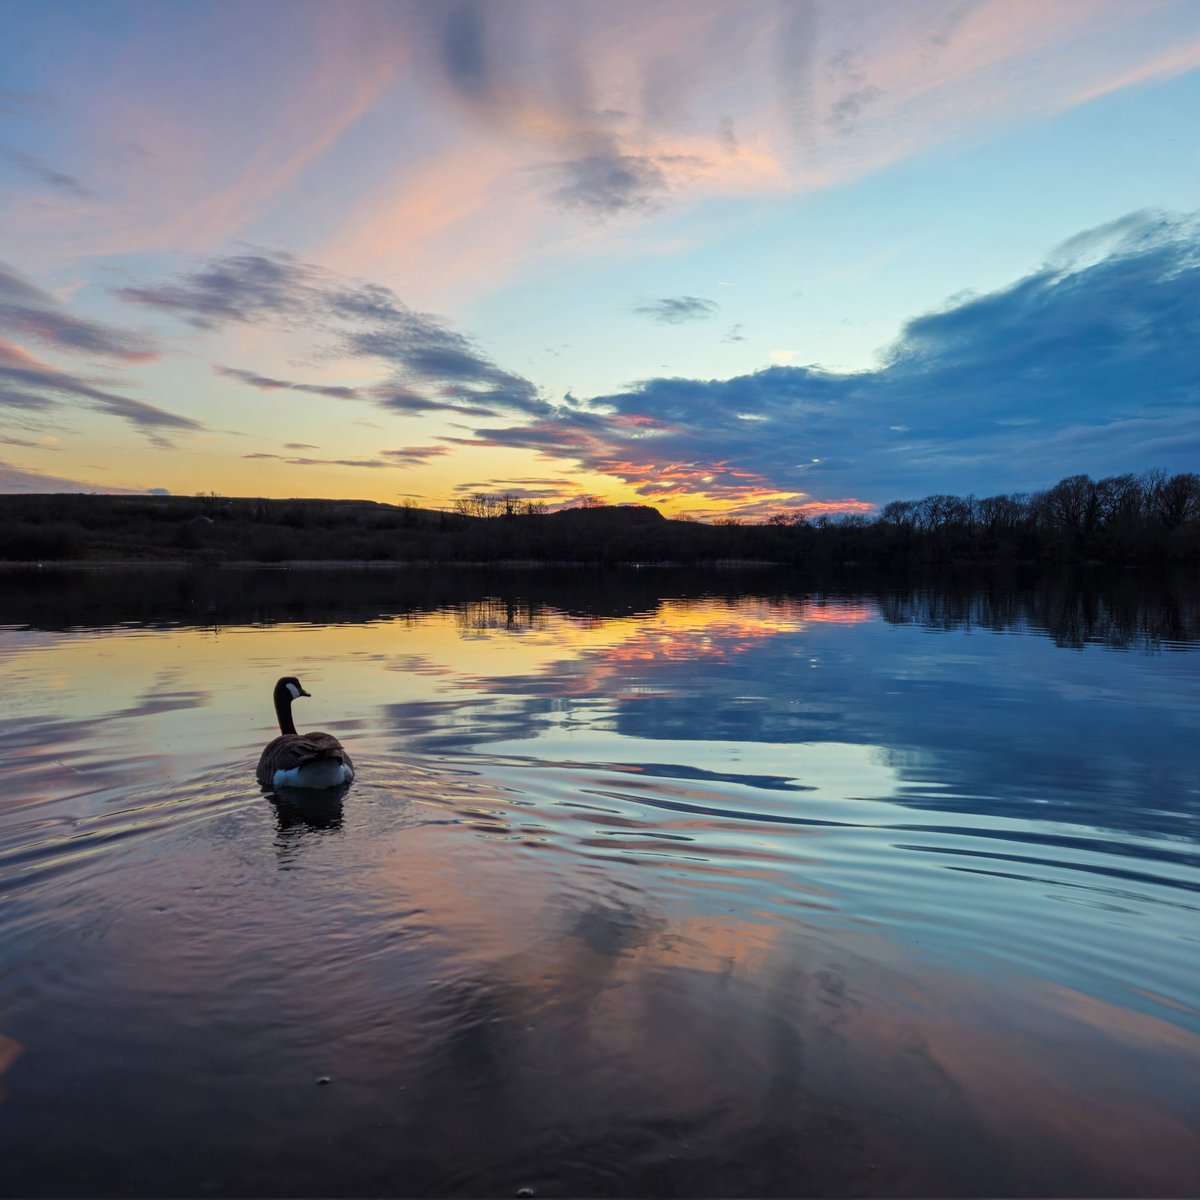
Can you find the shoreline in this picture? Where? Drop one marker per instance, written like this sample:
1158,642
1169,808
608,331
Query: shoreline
353,564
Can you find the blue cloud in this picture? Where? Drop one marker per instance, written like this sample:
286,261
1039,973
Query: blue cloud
1090,363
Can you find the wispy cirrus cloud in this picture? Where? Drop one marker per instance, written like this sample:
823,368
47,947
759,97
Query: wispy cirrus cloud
399,459
266,383
1092,362
677,310
25,479
28,311
414,456
617,101
622,113
8,439
30,385
39,169
371,464
429,366
27,383
550,491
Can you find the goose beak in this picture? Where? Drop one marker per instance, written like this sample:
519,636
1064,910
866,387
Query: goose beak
304,693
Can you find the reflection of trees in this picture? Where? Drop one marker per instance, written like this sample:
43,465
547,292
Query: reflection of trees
63,598
496,613
1066,609
1071,608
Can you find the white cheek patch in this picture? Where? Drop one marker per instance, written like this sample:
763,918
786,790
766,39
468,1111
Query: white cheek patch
294,690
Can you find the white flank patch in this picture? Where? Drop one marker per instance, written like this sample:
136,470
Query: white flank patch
326,773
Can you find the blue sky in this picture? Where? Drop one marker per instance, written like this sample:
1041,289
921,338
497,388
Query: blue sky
714,256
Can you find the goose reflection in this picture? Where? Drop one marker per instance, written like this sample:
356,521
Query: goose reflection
307,808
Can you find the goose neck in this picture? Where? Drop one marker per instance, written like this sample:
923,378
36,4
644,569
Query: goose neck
283,710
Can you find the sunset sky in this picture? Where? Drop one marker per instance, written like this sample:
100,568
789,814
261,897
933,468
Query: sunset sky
712,255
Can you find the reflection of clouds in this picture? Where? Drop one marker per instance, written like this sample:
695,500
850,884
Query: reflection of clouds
760,1058
493,1017
163,696
526,969
613,929
974,724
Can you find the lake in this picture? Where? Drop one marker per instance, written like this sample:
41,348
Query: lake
648,884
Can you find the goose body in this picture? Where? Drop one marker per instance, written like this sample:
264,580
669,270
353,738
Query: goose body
301,760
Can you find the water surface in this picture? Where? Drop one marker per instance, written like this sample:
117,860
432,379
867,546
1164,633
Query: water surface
644,887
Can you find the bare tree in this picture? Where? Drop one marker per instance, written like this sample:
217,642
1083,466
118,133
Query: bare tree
1173,500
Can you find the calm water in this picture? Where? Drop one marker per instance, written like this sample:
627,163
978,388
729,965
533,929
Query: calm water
645,886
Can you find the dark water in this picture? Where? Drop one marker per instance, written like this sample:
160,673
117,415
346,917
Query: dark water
646,885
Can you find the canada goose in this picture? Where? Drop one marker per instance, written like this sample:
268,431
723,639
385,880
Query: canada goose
301,760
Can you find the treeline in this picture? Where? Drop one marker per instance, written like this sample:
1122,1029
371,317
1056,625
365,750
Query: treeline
1123,519
1126,518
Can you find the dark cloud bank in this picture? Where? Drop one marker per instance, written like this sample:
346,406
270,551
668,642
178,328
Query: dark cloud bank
1091,363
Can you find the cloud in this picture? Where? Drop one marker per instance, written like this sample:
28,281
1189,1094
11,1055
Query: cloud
1102,348
29,384
429,365
265,383
22,479
414,456
675,310
37,168
28,311
846,110
243,289
401,459
552,490
556,83
613,182
610,98
373,464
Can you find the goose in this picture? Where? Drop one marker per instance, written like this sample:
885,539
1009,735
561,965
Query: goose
301,760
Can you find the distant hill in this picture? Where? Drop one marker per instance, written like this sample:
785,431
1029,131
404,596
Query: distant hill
1127,519
233,529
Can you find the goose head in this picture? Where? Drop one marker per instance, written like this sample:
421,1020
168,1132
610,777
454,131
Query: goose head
291,687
